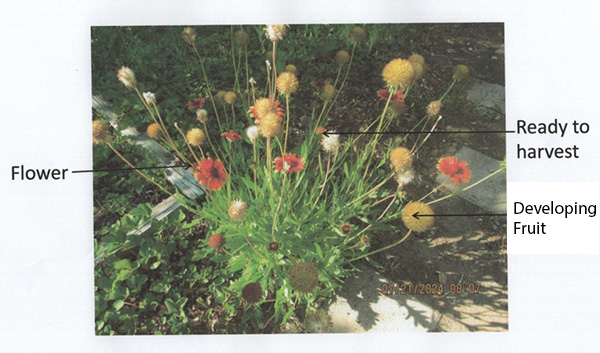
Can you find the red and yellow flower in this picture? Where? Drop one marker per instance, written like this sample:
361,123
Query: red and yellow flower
264,106
232,136
456,170
210,173
289,163
196,103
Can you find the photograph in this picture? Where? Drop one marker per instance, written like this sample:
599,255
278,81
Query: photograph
302,178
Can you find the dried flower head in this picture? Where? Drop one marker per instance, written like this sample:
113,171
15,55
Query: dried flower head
252,293
237,210
287,83
195,137
241,38
270,125
433,108
202,115
364,239
460,72
210,173
230,97
411,217
189,35
357,34
291,68
264,106
274,246
216,241
220,96
304,277
149,97
456,170
328,91
252,133
154,130
404,177
275,32
398,73
100,132
401,158
330,143
342,57
318,321
127,76
419,70
346,229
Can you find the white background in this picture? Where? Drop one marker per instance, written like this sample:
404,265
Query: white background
46,265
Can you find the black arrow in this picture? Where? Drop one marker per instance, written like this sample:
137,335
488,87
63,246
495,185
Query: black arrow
417,215
185,165
327,132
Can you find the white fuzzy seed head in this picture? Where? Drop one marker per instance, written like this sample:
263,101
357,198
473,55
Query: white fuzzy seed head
202,115
149,97
331,143
252,133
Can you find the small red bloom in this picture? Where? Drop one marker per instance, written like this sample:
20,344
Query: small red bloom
319,85
385,95
274,246
456,170
346,229
232,136
216,241
364,239
289,163
196,103
211,174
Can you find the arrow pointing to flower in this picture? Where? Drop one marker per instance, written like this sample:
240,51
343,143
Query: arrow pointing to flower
326,133
185,165
417,215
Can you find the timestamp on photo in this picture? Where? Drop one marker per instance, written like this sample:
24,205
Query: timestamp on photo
429,288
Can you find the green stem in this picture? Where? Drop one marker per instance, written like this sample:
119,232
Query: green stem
382,249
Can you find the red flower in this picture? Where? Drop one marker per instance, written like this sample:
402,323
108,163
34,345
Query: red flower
196,103
289,163
346,229
385,95
319,85
456,170
211,174
216,241
232,136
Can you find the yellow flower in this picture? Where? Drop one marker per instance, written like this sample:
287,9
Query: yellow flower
398,73
401,158
154,130
270,125
195,137
100,132
287,83
411,217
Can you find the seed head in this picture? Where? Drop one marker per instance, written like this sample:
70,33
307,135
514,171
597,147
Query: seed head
330,143
252,292
433,108
195,137
416,58
318,321
401,159
252,133
127,76
422,223
270,125
346,229
202,115
275,32
404,177
460,72
398,73
189,35
357,34
100,132
328,91
287,83
220,96
237,210
342,57
154,131
230,97
291,68
274,246
304,277
241,38
150,98
216,241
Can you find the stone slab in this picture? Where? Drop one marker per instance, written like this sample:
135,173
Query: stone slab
361,307
489,99
490,194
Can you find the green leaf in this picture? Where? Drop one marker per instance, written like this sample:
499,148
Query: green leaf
118,304
124,274
123,264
